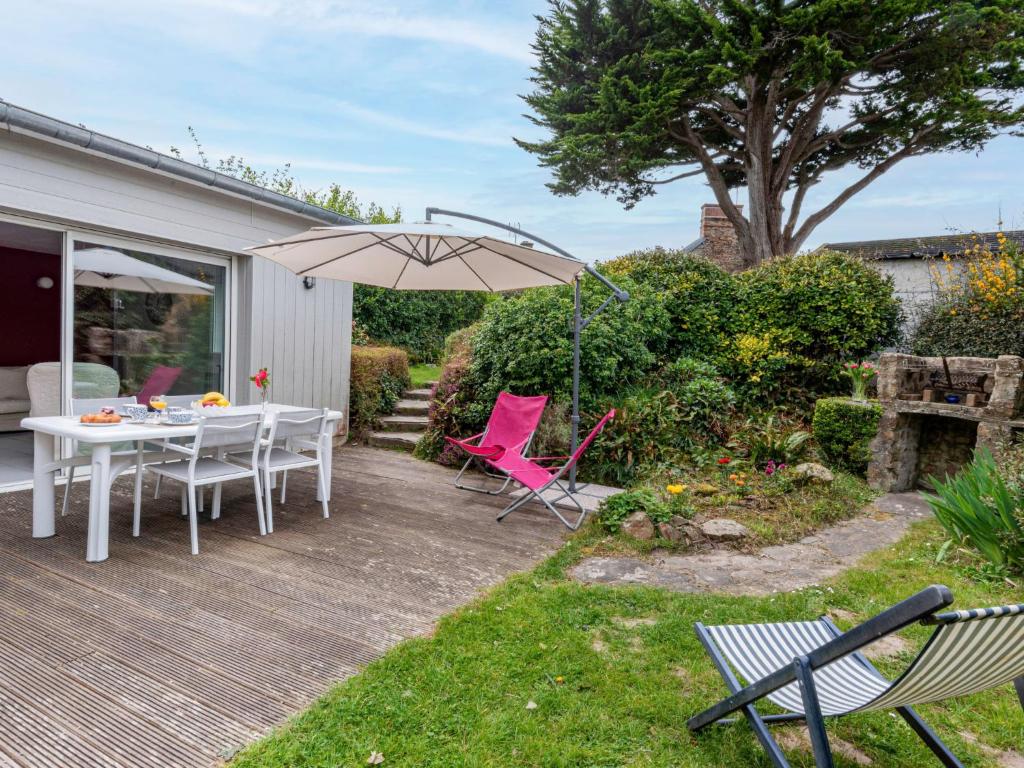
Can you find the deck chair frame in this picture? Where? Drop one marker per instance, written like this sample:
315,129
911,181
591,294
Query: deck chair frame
555,481
922,607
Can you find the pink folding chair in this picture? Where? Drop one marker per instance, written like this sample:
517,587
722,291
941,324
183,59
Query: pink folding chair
509,429
536,478
160,381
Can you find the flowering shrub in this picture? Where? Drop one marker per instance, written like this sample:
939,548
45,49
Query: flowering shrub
979,307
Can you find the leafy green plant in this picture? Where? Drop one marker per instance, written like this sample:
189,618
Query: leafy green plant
379,374
816,310
648,431
979,509
844,429
699,296
772,441
524,345
614,510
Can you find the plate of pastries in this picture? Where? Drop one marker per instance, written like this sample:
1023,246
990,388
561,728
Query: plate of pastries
106,417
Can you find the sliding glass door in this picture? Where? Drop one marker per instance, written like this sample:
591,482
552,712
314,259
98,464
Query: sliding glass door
147,323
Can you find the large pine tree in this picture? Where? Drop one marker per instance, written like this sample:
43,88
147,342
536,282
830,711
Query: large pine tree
768,96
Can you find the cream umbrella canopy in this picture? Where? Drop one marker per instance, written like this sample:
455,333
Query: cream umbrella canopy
117,271
430,256
423,256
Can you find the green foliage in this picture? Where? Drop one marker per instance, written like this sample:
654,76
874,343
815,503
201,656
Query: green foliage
978,508
699,296
615,509
844,429
379,374
647,431
954,329
638,93
979,311
802,316
769,440
417,321
524,345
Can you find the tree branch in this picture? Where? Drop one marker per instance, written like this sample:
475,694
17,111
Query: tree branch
816,218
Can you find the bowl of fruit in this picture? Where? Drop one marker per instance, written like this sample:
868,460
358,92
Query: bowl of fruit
211,403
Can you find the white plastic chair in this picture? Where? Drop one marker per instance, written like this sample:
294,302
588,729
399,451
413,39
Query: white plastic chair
297,431
79,406
176,401
218,433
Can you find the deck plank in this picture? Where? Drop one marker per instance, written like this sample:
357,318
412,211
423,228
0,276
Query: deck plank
156,657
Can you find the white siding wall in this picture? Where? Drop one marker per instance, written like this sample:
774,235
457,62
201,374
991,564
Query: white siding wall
302,335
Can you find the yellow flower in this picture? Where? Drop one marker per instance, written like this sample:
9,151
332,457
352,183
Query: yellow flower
675,488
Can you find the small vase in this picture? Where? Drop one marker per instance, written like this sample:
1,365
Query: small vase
860,391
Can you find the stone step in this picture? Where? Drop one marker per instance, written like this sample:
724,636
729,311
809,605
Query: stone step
405,441
417,394
412,407
404,423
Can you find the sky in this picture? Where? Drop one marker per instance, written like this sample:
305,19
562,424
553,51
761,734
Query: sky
409,104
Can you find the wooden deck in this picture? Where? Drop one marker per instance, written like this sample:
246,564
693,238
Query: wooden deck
157,658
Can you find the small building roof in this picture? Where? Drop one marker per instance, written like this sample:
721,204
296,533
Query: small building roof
922,247
83,139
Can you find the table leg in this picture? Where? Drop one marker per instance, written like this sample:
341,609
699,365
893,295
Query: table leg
327,453
97,546
44,512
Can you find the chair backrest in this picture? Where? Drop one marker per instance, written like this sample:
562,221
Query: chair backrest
592,436
234,430
160,380
89,380
80,405
309,422
969,652
513,420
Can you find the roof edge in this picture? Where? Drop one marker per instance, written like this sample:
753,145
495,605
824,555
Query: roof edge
53,129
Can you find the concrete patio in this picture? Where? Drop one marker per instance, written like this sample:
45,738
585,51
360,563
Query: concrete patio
157,658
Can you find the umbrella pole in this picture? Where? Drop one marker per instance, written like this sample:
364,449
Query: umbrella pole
577,328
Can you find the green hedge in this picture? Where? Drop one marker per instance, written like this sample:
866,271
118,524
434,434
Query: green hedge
524,345
844,429
798,318
417,321
955,329
379,374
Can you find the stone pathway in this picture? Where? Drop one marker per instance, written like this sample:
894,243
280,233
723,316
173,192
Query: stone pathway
781,568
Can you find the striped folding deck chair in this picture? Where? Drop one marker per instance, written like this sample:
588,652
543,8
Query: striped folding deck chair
813,670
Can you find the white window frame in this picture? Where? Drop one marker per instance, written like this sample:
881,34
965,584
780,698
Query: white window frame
73,235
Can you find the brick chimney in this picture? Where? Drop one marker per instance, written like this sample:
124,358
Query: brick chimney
720,243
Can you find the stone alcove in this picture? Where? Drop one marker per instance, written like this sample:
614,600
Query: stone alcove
920,434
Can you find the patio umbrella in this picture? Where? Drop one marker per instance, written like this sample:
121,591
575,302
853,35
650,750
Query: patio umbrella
107,268
423,256
428,256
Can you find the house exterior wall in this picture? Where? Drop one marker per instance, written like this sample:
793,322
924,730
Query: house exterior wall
912,284
302,335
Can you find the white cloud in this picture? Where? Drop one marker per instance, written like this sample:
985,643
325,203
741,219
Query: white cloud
381,20
486,134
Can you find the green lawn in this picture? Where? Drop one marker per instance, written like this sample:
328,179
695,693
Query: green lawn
614,674
423,374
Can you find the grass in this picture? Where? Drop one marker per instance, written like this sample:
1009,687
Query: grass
614,674
423,374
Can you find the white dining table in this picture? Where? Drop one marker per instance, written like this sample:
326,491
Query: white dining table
107,465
